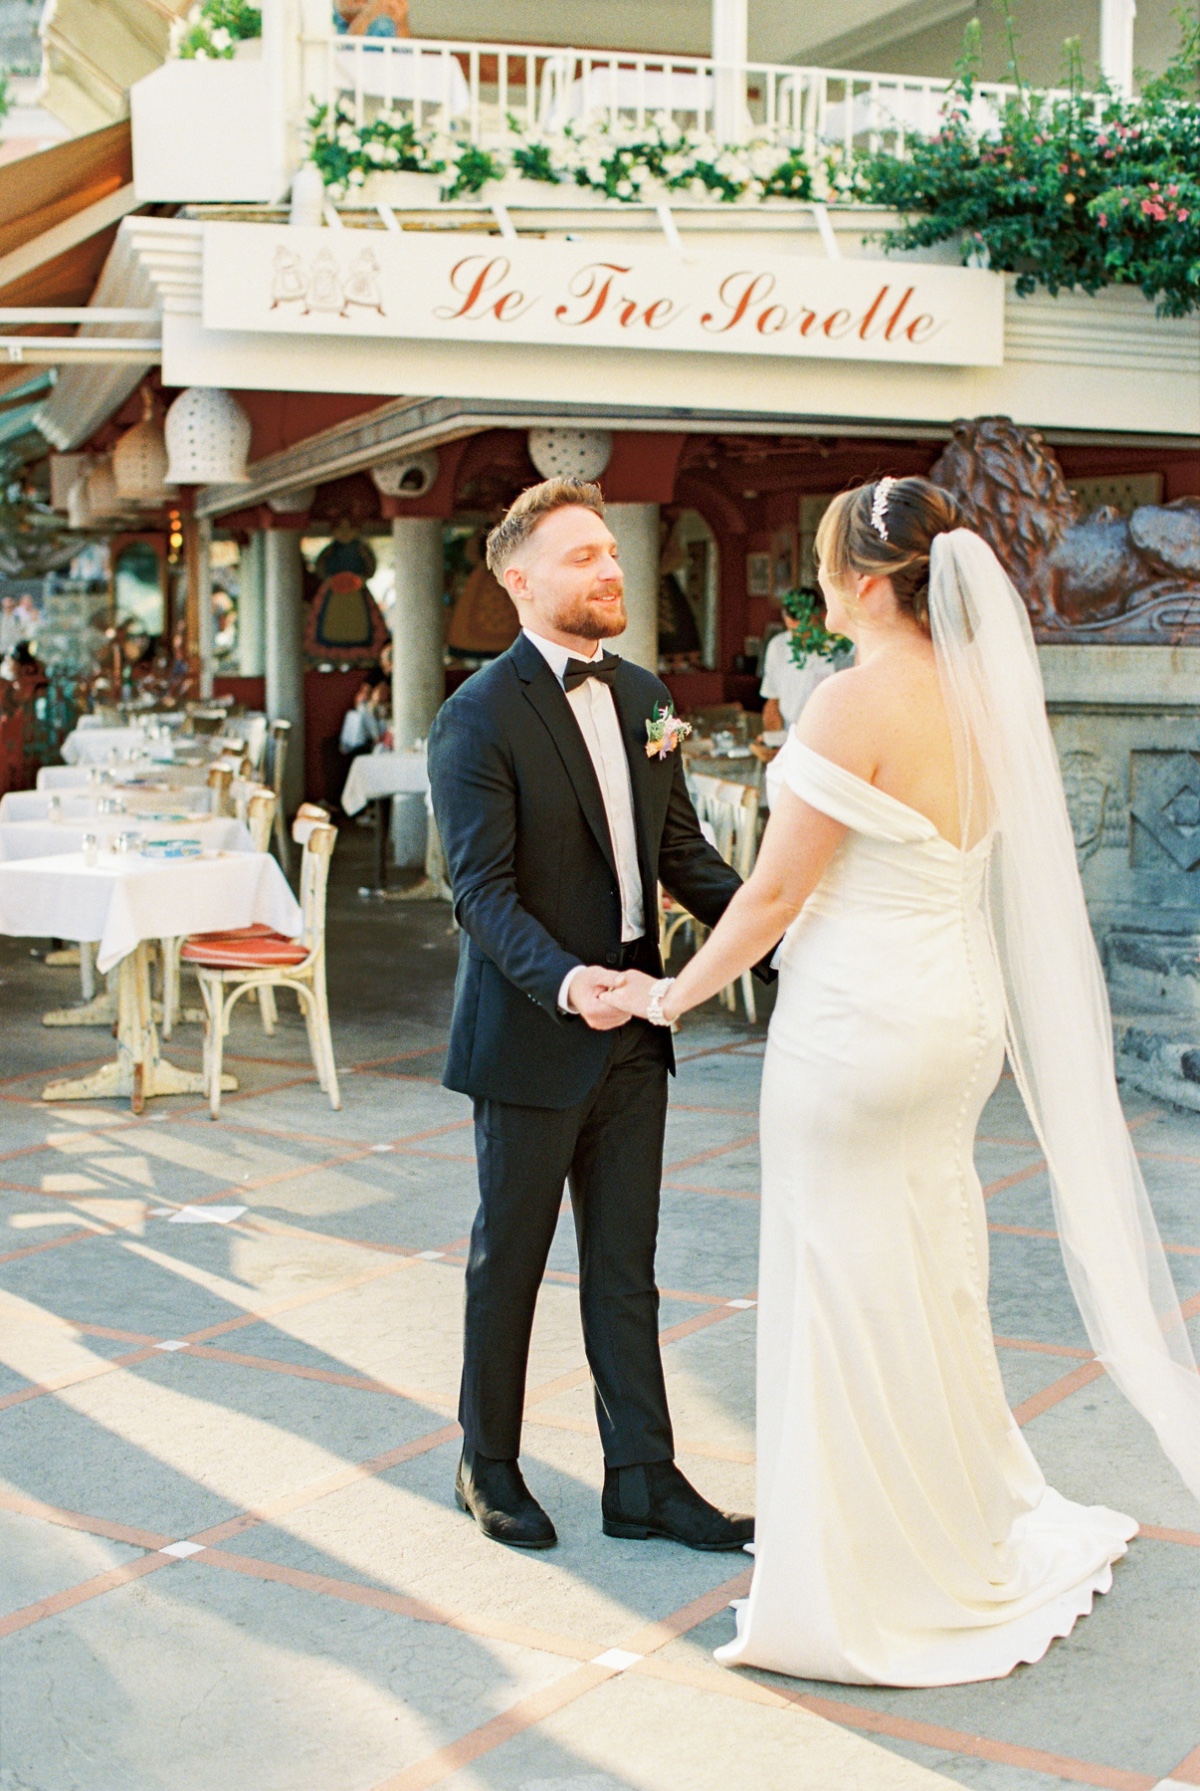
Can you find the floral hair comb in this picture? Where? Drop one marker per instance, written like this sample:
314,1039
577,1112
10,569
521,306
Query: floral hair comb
879,506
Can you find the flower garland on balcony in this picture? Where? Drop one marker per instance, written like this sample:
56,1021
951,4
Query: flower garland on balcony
212,30
657,163
1067,193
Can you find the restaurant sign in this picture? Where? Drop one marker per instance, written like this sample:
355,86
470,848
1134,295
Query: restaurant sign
467,287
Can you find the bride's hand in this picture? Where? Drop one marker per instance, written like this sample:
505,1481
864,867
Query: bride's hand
631,994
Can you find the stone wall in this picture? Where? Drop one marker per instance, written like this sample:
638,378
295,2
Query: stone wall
1126,721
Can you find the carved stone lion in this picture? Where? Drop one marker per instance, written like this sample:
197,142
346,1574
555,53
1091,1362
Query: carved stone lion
1103,577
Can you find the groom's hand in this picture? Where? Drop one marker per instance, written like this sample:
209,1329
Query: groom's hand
586,998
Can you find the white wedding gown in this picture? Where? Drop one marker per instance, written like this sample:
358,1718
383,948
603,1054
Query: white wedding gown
905,1535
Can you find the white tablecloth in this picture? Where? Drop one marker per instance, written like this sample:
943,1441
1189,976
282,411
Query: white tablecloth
76,777
120,902
375,774
80,805
92,746
47,839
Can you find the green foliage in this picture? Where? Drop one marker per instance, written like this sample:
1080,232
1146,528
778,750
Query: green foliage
811,635
213,29
5,96
346,153
1083,191
791,180
657,162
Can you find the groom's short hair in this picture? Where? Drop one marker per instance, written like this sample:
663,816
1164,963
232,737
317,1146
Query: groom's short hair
535,502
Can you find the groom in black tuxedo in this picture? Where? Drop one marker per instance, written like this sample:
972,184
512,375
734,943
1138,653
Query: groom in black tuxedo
557,829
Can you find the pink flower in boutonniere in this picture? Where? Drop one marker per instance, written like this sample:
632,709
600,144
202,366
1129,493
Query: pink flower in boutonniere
664,731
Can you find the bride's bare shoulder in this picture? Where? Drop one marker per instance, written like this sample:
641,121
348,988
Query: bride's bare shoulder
839,721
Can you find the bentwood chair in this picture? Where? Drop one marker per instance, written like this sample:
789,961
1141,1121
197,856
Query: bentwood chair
255,809
232,964
280,735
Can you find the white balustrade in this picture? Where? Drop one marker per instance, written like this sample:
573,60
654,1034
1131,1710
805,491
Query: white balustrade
477,88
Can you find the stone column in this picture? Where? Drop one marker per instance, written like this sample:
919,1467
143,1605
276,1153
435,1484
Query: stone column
252,607
284,605
635,530
418,660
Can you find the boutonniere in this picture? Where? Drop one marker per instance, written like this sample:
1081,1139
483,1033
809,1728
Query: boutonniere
664,731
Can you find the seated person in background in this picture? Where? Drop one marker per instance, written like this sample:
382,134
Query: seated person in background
361,725
364,724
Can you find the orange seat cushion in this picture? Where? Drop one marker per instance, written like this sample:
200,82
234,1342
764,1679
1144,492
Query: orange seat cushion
243,948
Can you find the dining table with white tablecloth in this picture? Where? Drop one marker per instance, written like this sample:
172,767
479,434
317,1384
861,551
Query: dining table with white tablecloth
376,774
123,901
141,802
125,773
49,839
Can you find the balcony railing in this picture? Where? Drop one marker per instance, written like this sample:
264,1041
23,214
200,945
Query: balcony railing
478,88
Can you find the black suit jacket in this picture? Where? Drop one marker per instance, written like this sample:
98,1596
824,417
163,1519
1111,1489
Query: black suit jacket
523,825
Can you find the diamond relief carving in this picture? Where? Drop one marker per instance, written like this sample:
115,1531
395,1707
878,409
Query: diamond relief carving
1166,803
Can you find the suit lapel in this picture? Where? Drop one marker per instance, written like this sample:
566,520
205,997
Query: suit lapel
644,775
547,696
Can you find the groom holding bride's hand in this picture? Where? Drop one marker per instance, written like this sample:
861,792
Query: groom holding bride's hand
557,828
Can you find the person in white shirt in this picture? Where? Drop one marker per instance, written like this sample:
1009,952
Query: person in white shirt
786,685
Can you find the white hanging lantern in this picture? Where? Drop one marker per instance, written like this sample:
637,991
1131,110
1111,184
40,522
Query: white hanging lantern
411,477
292,503
139,460
570,453
208,438
100,491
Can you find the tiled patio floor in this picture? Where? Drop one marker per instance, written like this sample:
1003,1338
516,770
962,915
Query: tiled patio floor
229,1554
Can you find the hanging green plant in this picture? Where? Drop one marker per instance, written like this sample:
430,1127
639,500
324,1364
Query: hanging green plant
805,607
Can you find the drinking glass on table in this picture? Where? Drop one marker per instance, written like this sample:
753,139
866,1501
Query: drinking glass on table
54,809
90,848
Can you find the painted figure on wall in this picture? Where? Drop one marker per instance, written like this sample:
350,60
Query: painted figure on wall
484,619
344,623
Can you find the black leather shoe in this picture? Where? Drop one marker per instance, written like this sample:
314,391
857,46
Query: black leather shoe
496,1496
656,1500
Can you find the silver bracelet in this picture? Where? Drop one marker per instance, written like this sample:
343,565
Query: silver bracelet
654,1006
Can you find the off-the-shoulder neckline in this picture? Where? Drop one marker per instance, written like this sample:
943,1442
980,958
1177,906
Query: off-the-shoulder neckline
883,795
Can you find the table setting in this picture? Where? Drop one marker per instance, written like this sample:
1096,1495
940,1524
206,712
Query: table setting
152,834
146,801
122,899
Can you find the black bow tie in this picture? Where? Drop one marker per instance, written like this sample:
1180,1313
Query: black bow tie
579,670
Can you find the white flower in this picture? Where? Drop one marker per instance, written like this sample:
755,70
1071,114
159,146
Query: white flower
221,40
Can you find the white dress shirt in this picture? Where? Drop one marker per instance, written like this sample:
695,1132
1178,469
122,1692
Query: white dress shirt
790,684
596,713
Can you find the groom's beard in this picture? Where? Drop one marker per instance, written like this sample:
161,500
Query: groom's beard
592,620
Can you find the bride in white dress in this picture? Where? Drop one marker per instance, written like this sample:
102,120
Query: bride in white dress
919,860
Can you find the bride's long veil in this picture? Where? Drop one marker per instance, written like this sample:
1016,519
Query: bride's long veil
1058,1022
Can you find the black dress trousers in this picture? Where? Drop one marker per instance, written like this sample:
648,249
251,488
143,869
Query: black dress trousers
608,1150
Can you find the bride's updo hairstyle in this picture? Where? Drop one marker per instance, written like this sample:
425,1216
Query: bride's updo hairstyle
885,530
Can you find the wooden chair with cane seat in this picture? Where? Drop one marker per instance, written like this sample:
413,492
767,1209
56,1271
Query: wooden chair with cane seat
220,782
255,809
232,964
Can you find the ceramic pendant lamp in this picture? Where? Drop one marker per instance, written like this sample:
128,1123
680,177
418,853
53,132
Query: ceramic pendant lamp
139,460
208,438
